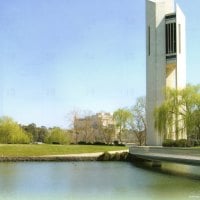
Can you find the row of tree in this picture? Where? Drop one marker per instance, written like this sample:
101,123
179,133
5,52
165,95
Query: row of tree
132,121
129,125
179,113
13,133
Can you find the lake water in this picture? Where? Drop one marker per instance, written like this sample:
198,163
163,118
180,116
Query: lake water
97,180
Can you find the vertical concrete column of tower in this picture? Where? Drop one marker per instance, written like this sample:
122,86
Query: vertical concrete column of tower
165,57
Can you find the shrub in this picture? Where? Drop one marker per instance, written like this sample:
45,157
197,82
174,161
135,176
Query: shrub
99,143
116,143
181,143
168,143
82,142
123,145
89,143
194,143
178,143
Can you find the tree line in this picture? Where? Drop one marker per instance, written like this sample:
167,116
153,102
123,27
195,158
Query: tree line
129,124
13,133
178,114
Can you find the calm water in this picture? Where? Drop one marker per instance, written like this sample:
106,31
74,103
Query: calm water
96,180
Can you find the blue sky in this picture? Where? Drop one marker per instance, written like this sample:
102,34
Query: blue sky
60,56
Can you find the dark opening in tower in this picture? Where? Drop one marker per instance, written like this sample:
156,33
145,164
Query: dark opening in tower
170,34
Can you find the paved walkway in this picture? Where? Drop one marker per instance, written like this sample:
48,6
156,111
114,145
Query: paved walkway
177,155
87,154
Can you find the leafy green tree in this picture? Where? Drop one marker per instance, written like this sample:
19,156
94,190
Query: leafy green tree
42,133
57,136
179,112
11,132
122,117
32,129
190,97
38,134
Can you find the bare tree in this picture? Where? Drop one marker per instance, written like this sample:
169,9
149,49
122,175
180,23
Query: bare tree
83,128
138,122
108,134
72,118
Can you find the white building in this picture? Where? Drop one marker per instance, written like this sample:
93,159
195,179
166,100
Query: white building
165,57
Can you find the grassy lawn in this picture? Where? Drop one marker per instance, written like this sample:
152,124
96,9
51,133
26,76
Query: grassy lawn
46,149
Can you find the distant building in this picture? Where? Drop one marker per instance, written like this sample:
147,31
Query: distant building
92,128
105,119
165,57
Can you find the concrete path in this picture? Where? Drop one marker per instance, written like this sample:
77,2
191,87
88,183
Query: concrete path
87,154
177,155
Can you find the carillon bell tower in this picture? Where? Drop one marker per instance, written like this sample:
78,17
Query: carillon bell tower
165,57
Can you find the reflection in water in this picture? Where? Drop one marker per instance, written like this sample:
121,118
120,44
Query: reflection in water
97,180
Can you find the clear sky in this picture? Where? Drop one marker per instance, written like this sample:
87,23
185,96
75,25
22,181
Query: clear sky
57,56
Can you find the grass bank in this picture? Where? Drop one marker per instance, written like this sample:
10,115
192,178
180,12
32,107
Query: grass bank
20,150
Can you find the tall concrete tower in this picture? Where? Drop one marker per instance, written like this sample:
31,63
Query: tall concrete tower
165,57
